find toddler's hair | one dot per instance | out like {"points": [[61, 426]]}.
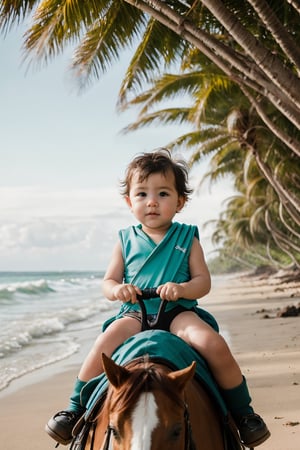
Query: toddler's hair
{"points": [[158, 161]]}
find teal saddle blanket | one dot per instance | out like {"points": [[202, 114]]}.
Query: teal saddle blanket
{"points": [[161, 347]]}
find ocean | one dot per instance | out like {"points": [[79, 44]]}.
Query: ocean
{"points": [[43, 316], [40, 315]]}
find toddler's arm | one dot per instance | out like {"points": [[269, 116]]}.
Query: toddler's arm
{"points": [[113, 286]]}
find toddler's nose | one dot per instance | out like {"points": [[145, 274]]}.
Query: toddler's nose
{"points": [[152, 201]]}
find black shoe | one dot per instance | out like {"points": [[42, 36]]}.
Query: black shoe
{"points": [[253, 430], [60, 426]]}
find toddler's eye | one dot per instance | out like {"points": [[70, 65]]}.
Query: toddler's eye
{"points": [[163, 194], [141, 194]]}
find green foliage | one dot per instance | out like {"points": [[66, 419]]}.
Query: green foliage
{"points": [[235, 64]]}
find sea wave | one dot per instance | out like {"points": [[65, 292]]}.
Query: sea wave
{"points": [[29, 362], [29, 288], [23, 332], [16, 340], [41, 315]]}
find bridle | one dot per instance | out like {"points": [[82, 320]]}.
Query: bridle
{"points": [[188, 438], [90, 429]]}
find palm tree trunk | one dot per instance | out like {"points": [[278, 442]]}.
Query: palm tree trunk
{"points": [[288, 201], [292, 143], [282, 37], [285, 197], [280, 240], [295, 4], [234, 65], [282, 218], [268, 62]]}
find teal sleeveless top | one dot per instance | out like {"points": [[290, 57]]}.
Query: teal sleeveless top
{"points": [[148, 264]]}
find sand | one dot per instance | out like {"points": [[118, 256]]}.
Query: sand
{"points": [[267, 349]]}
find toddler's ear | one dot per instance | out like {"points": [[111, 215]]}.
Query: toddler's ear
{"points": [[128, 201], [181, 203]]}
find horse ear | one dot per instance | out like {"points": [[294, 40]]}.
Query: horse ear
{"points": [[181, 377], [117, 375]]}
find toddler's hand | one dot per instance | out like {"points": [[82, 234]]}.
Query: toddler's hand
{"points": [[126, 292], [170, 291]]}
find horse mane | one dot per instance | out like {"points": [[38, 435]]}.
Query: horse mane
{"points": [[145, 376]]}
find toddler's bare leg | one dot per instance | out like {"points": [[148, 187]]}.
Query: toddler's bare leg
{"points": [[107, 342], [211, 346]]}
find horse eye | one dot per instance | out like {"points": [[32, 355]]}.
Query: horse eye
{"points": [[115, 433], [175, 433]]}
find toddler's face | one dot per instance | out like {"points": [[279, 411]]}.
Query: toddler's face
{"points": [[155, 200]]}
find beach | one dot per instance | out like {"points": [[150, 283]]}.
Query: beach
{"points": [[267, 348]]}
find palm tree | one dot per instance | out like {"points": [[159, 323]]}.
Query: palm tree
{"points": [[236, 36], [248, 44], [215, 101]]}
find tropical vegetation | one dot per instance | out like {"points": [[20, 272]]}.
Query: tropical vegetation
{"points": [[237, 63]]}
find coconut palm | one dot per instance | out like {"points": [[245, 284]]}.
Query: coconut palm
{"points": [[236, 36], [218, 108], [253, 45]]}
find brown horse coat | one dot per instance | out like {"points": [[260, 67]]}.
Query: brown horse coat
{"points": [[185, 415]]}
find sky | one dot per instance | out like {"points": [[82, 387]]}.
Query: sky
{"points": [[62, 155]]}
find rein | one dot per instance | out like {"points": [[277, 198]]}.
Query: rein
{"points": [[188, 440], [107, 440]]}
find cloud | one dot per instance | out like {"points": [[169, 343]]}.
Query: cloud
{"points": [[22, 202], [60, 243], [52, 229]]}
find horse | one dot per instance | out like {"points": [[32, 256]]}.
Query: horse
{"points": [[149, 406]]}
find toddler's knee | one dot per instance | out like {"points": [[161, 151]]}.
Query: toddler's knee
{"points": [[186, 337], [213, 343], [220, 348]]}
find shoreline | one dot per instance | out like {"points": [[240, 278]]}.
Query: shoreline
{"points": [[71, 362], [267, 350]]}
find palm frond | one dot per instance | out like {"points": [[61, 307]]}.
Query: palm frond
{"points": [[100, 46], [147, 59], [14, 12], [163, 117]]}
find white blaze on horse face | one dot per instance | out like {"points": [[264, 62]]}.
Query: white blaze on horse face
{"points": [[144, 421]]}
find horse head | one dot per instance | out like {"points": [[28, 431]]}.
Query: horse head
{"points": [[146, 406]]}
